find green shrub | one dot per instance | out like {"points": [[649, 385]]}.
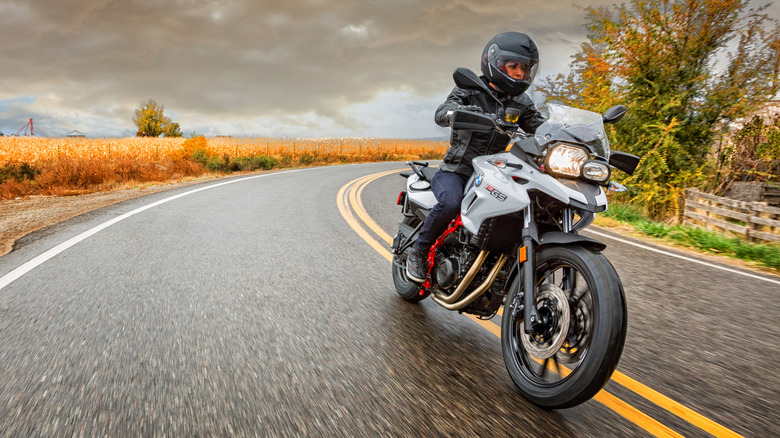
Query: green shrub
{"points": [[307, 158], [200, 156], [216, 164], [264, 162], [18, 171]]}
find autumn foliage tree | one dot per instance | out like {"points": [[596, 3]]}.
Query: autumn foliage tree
{"points": [[753, 154], [670, 63], [152, 122]]}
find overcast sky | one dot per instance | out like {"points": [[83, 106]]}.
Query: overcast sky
{"points": [[302, 68]]}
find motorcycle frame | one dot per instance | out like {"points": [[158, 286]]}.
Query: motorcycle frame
{"points": [[485, 197]]}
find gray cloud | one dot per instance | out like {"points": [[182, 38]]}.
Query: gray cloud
{"points": [[312, 67]]}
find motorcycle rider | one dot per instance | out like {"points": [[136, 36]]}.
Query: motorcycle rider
{"points": [[509, 64]]}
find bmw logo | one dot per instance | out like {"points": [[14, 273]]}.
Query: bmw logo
{"points": [[478, 181]]}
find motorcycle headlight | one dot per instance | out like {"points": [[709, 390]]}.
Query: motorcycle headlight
{"points": [[573, 161], [566, 160], [597, 171]]}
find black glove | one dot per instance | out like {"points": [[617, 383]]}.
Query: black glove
{"points": [[473, 108]]}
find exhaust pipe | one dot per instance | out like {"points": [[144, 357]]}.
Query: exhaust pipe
{"points": [[477, 292], [475, 267]]}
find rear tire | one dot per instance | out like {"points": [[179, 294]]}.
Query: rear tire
{"points": [[576, 369], [406, 288]]}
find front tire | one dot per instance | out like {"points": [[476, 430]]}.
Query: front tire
{"points": [[567, 361]]}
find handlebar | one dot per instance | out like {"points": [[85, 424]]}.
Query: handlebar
{"points": [[478, 121], [414, 164]]}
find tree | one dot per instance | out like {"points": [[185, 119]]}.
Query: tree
{"points": [[151, 122], [172, 130], [753, 154], [659, 58]]}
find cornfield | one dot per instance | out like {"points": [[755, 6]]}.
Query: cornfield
{"points": [[34, 150], [61, 166]]}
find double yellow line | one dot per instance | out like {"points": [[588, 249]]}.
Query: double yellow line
{"points": [[350, 205]]}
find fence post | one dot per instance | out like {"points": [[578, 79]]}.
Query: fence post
{"points": [[689, 193], [755, 212]]}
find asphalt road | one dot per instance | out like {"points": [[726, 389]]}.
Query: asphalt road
{"points": [[251, 307]]}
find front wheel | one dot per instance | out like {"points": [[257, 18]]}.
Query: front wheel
{"points": [[571, 355]]}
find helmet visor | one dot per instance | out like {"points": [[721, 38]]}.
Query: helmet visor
{"points": [[513, 65]]}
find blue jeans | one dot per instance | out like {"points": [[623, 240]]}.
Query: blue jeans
{"points": [[448, 189]]}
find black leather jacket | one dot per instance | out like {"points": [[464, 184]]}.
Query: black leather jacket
{"points": [[466, 145]]}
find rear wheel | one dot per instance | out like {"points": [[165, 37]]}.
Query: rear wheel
{"points": [[573, 353], [406, 288]]}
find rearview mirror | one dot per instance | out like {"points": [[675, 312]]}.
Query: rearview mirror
{"points": [[623, 161], [614, 114], [467, 79]]}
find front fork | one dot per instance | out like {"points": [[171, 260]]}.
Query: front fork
{"points": [[530, 237], [530, 234]]}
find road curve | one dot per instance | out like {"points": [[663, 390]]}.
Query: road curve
{"points": [[250, 307]]}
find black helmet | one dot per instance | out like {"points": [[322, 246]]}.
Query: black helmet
{"points": [[510, 61]]}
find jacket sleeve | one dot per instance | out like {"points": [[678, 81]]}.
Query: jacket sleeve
{"points": [[456, 98], [531, 118]]}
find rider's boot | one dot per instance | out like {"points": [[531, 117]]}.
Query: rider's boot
{"points": [[417, 266]]}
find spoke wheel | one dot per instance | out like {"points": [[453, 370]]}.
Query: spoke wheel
{"points": [[571, 355]]}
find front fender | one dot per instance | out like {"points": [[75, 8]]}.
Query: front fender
{"points": [[561, 238]]}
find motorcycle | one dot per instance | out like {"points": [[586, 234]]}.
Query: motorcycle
{"points": [[515, 249]]}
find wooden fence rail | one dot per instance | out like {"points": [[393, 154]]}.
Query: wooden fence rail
{"points": [[755, 221]]}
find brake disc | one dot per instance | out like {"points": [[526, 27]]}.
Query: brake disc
{"points": [[577, 342], [553, 305]]}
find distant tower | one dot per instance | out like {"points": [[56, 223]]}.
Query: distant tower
{"points": [[24, 128]]}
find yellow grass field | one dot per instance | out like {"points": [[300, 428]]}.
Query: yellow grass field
{"points": [[41, 150], [66, 166]]}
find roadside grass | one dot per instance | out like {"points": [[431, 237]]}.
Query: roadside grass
{"points": [[766, 255]]}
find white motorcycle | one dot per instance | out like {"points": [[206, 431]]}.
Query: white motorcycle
{"points": [[515, 246]]}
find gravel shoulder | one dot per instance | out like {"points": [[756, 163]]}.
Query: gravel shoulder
{"points": [[22, 216]]}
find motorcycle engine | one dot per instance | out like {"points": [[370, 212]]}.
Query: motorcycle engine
{"points": [[447, 272]]}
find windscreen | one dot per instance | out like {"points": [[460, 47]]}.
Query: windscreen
{"points": [[567, 123]]}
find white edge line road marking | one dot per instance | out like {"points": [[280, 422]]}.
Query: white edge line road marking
{"points": [[39, 260], [670, 254]]}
